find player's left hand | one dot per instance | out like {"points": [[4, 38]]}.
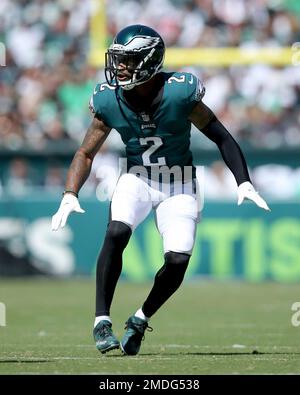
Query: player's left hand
{"points": [[246, 191]]}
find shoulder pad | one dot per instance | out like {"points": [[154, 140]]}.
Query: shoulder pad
{"points": [[99, 97], [186, 89], [195, 88]]}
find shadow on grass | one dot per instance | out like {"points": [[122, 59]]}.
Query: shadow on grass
{"points": [[225, 354], [25, 361], [255, 352]]}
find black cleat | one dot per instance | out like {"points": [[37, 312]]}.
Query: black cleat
{"points": [[135, 329], [104, 337]]}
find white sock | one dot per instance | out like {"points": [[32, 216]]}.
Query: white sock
{"points": [[101, 318], [141, 315]]}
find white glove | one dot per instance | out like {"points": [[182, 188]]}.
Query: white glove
{"points": [[68, 204], [247, 191]]}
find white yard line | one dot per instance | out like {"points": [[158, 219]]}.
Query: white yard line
{"points": [[172, 345]]}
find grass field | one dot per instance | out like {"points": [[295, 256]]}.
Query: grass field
{"points": [[206, 328]]}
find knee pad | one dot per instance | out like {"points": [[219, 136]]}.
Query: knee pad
{"points": [[177, 258], [174, 268], [118, 232]]}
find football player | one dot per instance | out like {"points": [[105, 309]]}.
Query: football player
{"points": [[153, 111]]}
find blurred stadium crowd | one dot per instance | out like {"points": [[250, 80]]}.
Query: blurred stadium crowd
{"points": [[46, 84]]}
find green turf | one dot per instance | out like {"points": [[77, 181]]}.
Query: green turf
{"points": [[206, 328]]}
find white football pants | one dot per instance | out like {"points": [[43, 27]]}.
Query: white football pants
{"points": [[176, 209]]}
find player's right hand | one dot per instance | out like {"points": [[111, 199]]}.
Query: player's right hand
{"points": [[68, 204]]}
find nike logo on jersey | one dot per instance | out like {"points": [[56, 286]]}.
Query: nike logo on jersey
{"points": [[96, 90], [191, 80]]}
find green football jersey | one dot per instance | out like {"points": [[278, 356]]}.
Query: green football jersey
{"points": [[159, 138]]}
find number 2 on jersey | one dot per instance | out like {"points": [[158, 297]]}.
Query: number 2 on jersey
{"points": [[157, 142]]}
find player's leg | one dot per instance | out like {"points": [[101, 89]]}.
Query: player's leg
{"points": [[167, 281], [129, 207], [109, 265], [176, 221], [108, 271]]}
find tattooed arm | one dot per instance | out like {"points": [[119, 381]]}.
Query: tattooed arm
{"points": [[79, 171], [82, 162]]}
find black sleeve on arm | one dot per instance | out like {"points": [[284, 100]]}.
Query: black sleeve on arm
{"points": [[229, 148]]}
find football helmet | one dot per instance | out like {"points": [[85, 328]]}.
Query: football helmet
{"points": [[135, 56]]}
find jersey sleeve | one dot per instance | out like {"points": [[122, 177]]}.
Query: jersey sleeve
{"points": [[195, 91], [102, 102]]}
